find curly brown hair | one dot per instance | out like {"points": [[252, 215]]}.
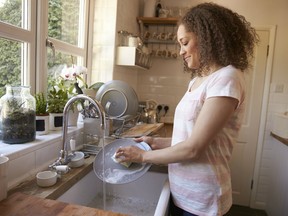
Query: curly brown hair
{"points": [[223, 36]]}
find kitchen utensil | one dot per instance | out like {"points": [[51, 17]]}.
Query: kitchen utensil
{"points": [[118, 98], [115, 173], [151, 109]]}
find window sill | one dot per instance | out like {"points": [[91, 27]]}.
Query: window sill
{"points": [[14, 151], [26, 159]]}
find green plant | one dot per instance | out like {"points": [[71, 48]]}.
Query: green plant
{"points": [[41, 104], [94, 86], [58, 95], [18, 116], [14, 105], [57, 100]]}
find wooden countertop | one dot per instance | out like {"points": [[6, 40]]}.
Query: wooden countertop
{"points": [[20, 204], [66, 181], [281, 139]]}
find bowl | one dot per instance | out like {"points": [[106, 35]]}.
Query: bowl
{"points": [[77, 160], [46, 178]]}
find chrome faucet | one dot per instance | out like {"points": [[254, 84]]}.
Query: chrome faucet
{"points": [[64, 157]]}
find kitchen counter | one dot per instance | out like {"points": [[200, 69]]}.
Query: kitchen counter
{"points": [[30, 199], [66, 181], [20, 204], [281, 139]]}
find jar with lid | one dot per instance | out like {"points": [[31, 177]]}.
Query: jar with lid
{"points": [[123, 38], [18, 115]]}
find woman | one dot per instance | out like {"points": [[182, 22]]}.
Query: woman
{"points": [[216, 45]]}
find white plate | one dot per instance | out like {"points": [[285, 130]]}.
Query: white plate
{"points": [[114, 173], [118, 98]]}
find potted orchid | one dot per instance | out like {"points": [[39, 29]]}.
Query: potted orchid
{"points": [[78, 75], [72, 81]]}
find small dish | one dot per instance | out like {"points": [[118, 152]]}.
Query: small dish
{"points": [[46, 178], [77, 160]]}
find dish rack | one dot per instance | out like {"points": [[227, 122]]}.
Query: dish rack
{"points": [[115, 126], [121, 124]]}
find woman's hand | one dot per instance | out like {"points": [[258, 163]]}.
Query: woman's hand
{"points": [[137, 155], [130, 154]]}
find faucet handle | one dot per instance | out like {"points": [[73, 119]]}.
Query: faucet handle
{"points": [[62, 168], [72, 144]]}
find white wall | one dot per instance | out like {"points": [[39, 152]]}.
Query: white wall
{"points": [[127, 11], [103, 40]]}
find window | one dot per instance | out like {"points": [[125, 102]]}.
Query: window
{"points": [[25, 25], [67, 32], [17, 43]]}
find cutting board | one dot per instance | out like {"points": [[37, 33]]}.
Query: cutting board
{"points": [[142, 130], [19, 204]]}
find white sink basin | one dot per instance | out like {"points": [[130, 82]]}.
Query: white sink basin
{"points": [[148, 195]]}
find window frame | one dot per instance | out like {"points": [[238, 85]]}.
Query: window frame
{"points": [[28, 38], [34, 66], [42, 35]]}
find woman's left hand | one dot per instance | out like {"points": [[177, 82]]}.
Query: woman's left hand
{"points": [[130, 154]]}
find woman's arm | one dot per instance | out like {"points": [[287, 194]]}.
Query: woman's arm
{"points": [[215, 113]]}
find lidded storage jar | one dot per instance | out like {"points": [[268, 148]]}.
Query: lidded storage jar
{"points": [[18, 115]]}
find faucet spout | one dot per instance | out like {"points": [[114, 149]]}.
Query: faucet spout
{"points": [[64, 152]]}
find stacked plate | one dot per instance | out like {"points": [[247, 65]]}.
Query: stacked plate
{"points": [[118, 99]]}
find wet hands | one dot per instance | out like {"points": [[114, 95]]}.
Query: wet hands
{"points": [[130, 154]]}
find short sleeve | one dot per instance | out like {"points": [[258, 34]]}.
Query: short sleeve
{"points": [[228, 83]]}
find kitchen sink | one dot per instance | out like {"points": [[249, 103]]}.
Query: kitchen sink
{"points": [[148, 195]]}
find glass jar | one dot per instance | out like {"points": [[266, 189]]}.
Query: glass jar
{"points": [[18, 115], [123, 38]]}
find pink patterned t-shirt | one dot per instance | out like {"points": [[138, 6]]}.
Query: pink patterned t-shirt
{"points": [[203, 187]]}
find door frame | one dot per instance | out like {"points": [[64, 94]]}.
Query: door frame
{"points": [[263, 120]]}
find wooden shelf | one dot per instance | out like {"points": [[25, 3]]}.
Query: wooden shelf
{"points": [[281, 139], [157, 20]]}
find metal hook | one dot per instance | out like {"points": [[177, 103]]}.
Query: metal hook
{"points": [[50, 44]]}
